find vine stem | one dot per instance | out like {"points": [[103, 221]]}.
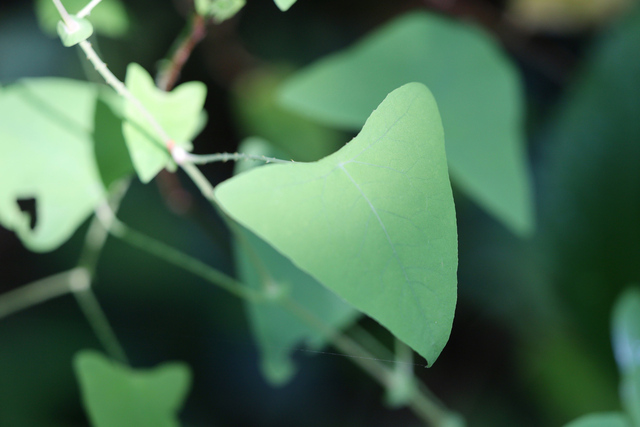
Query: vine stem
{"points": [[201, 159], [71, 25], [169, 74], [86, 11], [428, 409], [167, 253], [122, 90], [36, 293]]}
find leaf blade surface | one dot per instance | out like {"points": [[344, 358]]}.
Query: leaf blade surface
{"points": [[374, 222]]}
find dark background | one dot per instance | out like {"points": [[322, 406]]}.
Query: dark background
{"points": [[530, 344]]}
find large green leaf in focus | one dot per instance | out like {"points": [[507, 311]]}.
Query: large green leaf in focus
{"points": [[278, 331], [178, 112], [478, 93], [118, 396], [47, 154], [609, 419], [374, 222], [109, 18]]}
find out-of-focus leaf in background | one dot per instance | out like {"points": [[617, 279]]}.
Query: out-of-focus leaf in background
{"points": [[476, 87]]}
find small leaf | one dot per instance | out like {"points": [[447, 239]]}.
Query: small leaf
{"points": [[77, 31], [610, 419], [109, 18], [219, 10], [178, 112], [373, 222], [278, 332], [118, 396], [284, 5], [478, 93], [47, 154]]}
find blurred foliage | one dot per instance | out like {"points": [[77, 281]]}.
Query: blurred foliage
{"points": [[531, 341]]}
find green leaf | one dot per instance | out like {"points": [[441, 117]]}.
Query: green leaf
{"points": [[219, 10], [77, 31], [109, 18], [110, 148], [118, 396], [373, 222], [278, 332], [610, 419], [178, 112], [626, 330], [259, 115], [478, 93], [626, 347], [47, 154], [284, 5]]}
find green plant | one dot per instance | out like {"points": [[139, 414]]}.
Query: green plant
{"points": [[320, 242]]}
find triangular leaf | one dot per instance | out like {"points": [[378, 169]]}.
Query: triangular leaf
{"points": [[478, 93], [374, 222], [118, 396], [178, 112], [278, 332], [284, 5], [47, 154]]}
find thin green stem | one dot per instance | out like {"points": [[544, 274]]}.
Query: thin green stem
{"points": [[98, 320], [86, 11], [71, 25], [200, 181], [122, 90], [346, 345], [429, 410], [95, 240], [176, 257], [169, 74], [201, 159], [35, 293]]}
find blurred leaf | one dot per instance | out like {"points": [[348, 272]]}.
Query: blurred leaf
{"points": [[478, 93], [567, 377], [284, 5], [111, 152], [47, 154], [277, 331], [259, 115], [626, 330], [178, 112], [118, 396], [109, 18], [626, 347], [591, 184], [374, 222], [612, 419], [82, 30]]}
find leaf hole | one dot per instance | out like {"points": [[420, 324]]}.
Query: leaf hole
{"points": [[28, 206]]}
